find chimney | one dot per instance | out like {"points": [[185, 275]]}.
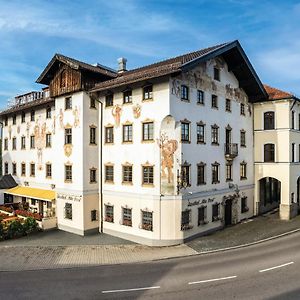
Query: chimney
{"points": [[122, 64]]}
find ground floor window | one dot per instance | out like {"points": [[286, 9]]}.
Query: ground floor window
{"points": [[202, 211], [147, 220], [127, 216], [216, 212], [244, 207], [185, 220], [94, 215], [68, 211], [109, 213]]}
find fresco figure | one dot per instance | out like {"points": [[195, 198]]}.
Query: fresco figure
{"points": [[76, 117], [61, 119], [116, 112], [137, 111]]}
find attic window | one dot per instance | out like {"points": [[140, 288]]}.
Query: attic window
{"points": [[216, 74]]}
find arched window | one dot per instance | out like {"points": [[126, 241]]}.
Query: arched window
{"points": [[269, 120], [269, 153]]}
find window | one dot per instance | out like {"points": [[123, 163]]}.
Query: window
{"points": [[147, 175], [202, 215], [14, 168], [23, 169], [32, 169], [6, 168], [147, 220], [200, 97], [244, 207], [127, 174], [32, 142], [215, 172], [228, 172], [33, 201], [201, 173], [269, 153], [93, 135], [93, 215], [293, 152], [215, 212], [185, 219], [269, 120], [109, 135], [148, 129], [14, 119], [185, 173], [109, 173], [48, 113], [68, 173], [215, 135], [32, 115], [242, 109], [109, 100], [201, 133], [184, 92], [14, 143], [5, 121], [23, 117], [68, 211], [23, 142], [214, 101], [127, 133], [68, 136], [48, 140], [185, 132], [48, 170], [147, 92], [109, 213], [216, 74], [243, 170], [228, 105], [6, 144], [93, 175], [243, 138], [127, 216], [293, 120], [68, 103], [92, 103], [127, 97]]}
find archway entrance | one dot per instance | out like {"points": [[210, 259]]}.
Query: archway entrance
{"points": [[269, 192], [228, 212]]}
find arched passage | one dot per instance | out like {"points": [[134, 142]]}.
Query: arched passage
{"points": [[269, 193]]}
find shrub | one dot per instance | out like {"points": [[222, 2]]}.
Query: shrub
{"points": [[1, 231], [30, 225], [15, 229]]}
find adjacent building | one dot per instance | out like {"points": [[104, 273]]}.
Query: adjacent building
{"points": [[157, 155]]}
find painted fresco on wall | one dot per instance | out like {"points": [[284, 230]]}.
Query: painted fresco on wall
{"points": [[9, 132], [168, 146], [53, 124], [137, 109], [61, 119], [68, 149], [18, 129], [28, 129], [40, 140], [116, 112], [76, 117]]}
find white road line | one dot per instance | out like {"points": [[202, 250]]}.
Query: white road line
{"points": [[131, 290], [211, 280], [276, 267]]}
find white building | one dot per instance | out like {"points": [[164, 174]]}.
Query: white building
{"points": [[157, 155]]}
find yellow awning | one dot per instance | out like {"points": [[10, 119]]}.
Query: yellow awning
{"points": [[39, 194]]}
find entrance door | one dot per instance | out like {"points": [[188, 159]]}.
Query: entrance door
{"points": [[41, 208], [228, 212]]}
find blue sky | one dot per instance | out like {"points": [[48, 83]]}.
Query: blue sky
{"points": [[144, 31]]}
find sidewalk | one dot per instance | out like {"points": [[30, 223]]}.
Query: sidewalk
{"points": [[28, 254]]}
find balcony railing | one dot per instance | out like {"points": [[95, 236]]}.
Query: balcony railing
{"points": [[231, 150]]}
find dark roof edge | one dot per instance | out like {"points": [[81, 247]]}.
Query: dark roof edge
{"points": [[220, 51]]}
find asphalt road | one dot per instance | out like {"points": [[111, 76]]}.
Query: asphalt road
{"points": [[269, 270]]}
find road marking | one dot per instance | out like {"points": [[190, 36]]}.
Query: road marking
{"points": [[131, 290], [276, 267], [211, 280]]}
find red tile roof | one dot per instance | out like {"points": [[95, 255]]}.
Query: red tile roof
{"points": [[276, 94]]}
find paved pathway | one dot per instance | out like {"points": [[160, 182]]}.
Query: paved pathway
{"points": [[59, 249]]}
